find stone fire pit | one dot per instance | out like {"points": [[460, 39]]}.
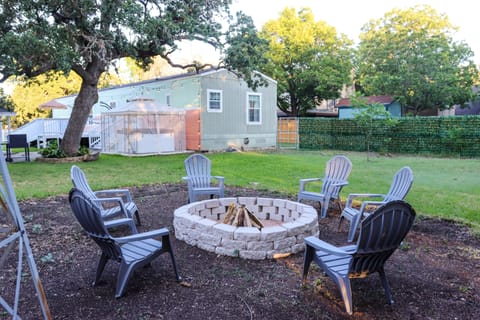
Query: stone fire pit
{"points": [[286, 224]]}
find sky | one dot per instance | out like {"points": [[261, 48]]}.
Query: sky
{"points": [[348, 17]]}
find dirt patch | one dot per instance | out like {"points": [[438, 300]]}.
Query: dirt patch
{"points": [[435, 276]]}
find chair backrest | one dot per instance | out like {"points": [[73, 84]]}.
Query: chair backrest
{"points": [[401, 184], [381, 234], [17, 140], [80, 182], [337, 169], [90, 218], [198, 169]]}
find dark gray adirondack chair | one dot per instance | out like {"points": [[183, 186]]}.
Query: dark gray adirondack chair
{"points": [[337, 171], [381, 234], [112, 203], [401, 184], [132, 252], [199, 178]]}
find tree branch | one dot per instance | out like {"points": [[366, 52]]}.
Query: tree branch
{"points": [[78, 69], [195, 65]]}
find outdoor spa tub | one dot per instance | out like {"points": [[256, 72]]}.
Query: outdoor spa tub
{"points": [[286, 224]]}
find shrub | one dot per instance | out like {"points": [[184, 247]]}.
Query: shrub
{"points": [[53, 151]]}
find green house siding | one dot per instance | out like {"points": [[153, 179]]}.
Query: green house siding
{"points": [[348, 112], [183, 92], [229, 127], [395, 109], [218, 130]]}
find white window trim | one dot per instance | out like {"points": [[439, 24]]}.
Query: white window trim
{"points": [[259, 122], [208, 100]]}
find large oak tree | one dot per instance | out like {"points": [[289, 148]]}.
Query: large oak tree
{"points": [[309, 60], [411, 54], [87, 36]]}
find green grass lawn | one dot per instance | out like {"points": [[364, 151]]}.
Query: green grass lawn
{"points": [[442, 187]]}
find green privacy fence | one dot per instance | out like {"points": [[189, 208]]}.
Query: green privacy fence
{"points": [[459, 135]]}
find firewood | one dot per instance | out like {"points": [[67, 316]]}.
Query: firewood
{"points": [[235, 220], [247, 221], [255, 220], [241, 216], [230, 212]]}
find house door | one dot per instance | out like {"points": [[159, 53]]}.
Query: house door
{"points": [[192, 127]]}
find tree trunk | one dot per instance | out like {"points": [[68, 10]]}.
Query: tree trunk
{"points": [[293, 105], [82, 106]]}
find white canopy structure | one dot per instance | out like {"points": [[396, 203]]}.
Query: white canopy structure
{"points": [[143, 126]]}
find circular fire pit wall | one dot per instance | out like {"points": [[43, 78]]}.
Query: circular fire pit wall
{"points": [[286, 224]]}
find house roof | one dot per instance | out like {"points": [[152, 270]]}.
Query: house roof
{"points": [[200, 73], [345, 102]]}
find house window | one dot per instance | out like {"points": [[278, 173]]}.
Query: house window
{"points": [[214, 103], [168, 100], [254, 108]]}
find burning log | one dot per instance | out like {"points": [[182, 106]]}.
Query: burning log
{"points": [[241, 217]]}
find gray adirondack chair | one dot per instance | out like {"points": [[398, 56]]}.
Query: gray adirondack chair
{"points": [[380, 235], [401, 184], [112, 203], [199, 178], [337, 171], [132, 252]]}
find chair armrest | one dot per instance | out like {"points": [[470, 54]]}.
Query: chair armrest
{"points": [[118, 200], [189, 181], [335, 184], [351, 196], [339, 183], [220, 180], [303, 182], [370, 203], [143, 235], [123, 192], [321, 245], [119, 222], [351, 249]]}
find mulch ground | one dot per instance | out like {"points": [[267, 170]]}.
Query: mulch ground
{"points": [[436, 275]]}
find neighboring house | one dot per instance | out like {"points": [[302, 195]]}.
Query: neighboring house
{"points": [[222, 111], [473, 108], [347, 111]]}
